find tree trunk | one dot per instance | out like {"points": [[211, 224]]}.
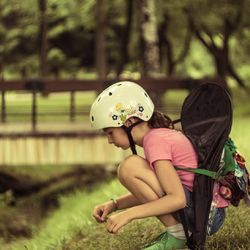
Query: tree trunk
{"points": [[149, 38], [100, 49], [44, 39], [224, 66], [125, 38], [221, 61]]}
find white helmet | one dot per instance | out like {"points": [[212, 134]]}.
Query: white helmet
{"points": [[119, 102]]}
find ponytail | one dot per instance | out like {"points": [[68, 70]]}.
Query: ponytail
{"points": [[160, 120]]}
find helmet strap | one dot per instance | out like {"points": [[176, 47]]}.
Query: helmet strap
{"points": [[130, 137]]}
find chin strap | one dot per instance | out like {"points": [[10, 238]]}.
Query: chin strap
{"points": [[130, 137]]}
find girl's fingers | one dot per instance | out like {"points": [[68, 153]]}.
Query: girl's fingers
{"points": [[110, 228], [110, 225], [104, 215], [116, 228], [113, 227], [98, 215]]}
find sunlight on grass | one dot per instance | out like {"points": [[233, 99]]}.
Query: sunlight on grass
{"points": [[54, 107], [74, 214], [241, 135]]}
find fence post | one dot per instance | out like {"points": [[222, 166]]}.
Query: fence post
{"points": [[3, 108], [72, 106], [34, 109]]}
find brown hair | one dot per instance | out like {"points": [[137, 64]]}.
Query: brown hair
{"points": [[160, 120]]}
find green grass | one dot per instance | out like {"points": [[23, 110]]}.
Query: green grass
{"points": [[72, 228], [54, 107]]}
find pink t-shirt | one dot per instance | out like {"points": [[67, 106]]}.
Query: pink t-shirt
{"points": [[169, 144], [173, 145]]}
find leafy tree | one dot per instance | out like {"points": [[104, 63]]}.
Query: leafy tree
{"points": [[214, 24], [222, 28], [175, 36], [18, 32]]}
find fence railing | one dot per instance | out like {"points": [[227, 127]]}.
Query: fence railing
{"points": [[46, 86]]}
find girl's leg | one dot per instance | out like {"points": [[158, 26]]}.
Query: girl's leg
{"points": [[136, 175]]}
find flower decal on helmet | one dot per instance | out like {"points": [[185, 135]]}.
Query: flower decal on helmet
{"points": [[141, 109], [114, 117], [118, 106], [122, 113]]}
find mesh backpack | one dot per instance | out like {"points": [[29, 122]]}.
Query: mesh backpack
{"points": [[206, 119]]}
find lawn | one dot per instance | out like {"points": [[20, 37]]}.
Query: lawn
{"points": [[54, 107]]}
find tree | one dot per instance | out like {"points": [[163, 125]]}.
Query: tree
{"points": [[42, 4], [100, 39], [149, 38], [161, 45], [125, 38], [18, 27], [216, 30], [175, 36]]}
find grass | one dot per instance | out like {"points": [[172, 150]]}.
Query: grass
{"points": [[54, 107], [72, 227]]}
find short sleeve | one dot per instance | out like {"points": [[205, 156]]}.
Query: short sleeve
{"points": [[156, 148]]}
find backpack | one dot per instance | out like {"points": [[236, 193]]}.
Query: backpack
{"points": [[206, 120], [232, 175]]}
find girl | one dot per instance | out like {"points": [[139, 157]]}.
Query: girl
{"points": [[126, 114]]}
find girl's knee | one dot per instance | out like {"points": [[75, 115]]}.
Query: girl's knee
{"points": [[129, 167]]}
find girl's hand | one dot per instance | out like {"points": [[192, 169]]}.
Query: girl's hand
{"points": [[101, 211], [117, 221]]}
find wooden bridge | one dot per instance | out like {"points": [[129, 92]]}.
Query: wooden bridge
{"points": [[74, 145]]}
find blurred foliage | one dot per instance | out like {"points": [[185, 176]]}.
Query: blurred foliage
{"points": [[71, 36]]}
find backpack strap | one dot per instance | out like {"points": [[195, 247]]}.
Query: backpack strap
{"points": [[209, 173]]}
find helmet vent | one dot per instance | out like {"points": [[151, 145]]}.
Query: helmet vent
{"points": [[119, 84], [92, 118], [145, 94], [110, 93], [99, 99]]}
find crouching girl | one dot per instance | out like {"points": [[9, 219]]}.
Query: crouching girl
{"points": [[126, 114]]}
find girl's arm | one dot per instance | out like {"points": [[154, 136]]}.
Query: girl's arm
{"points": [[126, 201]]}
